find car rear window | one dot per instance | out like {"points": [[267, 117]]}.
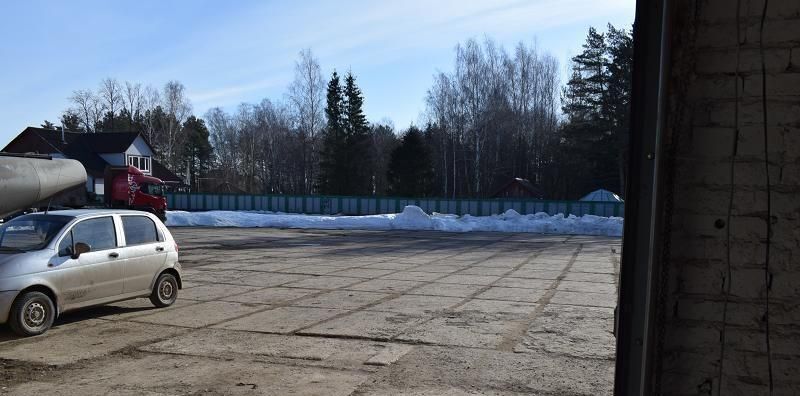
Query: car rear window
{"points": [[139, 230]]}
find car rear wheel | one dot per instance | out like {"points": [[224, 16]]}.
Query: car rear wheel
{"points": [[32, 314], [165, 291]]}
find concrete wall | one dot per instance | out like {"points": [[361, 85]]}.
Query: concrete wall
{"points": [[717, 321]]}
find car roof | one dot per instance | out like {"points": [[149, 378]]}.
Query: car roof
{"points": [[80, 213]]}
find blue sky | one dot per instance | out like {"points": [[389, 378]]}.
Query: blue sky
{"points": [[229, 52]]}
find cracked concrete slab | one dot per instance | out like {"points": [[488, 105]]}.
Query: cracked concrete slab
{"points": [[591, 287], [583, 332], [366, 324], [469, 279], [82, 340], [525, 283], [585, 299], [165, 374], [590, 277], [429, 370], [329, 352], [209, 292], [268, 311], [325, 282], [385, 285], [414, 276], [281, 320], [512, 294], [264, 279], [341, 299], [535, 274], [473, 329], [272, 295], [416, 305], [199, 315], [447, 289]]}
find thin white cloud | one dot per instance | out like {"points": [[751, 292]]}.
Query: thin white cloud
{"points": [[224, 95]]}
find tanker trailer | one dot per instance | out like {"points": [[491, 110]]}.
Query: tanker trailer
{"points": [[27, 180]]}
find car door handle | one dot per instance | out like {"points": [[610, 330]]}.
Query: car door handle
{"points": [[159, 248], [113, 255]]}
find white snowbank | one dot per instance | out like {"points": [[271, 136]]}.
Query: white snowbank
{"points": [[412, 218]]}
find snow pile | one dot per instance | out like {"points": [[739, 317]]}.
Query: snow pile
{"points": [[412, 218]]}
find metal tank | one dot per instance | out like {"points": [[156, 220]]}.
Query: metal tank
{"points": [[28, 179]]}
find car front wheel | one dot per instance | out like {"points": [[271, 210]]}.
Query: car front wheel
{"points": [[32, 314], [165, 291]]}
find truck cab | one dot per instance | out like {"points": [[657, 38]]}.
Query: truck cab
{"points": [[132, 189]]}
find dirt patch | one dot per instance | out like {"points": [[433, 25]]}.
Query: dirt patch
{"points": [[14, 372]]}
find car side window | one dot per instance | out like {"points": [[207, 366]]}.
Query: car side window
{"points": [[98, 233], [65, 247], [139, 230]]}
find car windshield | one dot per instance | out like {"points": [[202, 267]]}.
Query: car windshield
{"points": [[30, 232], [153, 189]]}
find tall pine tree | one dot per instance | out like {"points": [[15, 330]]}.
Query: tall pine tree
{"points": [[197, 151], [596, 103], [332, 170], [620, 68], [357, 131]]}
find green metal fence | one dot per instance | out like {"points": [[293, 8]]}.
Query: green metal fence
{"points": [[364, 205]]}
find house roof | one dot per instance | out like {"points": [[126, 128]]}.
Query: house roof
{"points": [[227, 188], [524, 183], [160, 171], [84, 147]]}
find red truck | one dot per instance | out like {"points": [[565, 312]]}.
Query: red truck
{"points": [[127, 187], [30, 182]]}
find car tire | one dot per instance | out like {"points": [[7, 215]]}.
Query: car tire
{"points": [[32, 314], [165, 291]]}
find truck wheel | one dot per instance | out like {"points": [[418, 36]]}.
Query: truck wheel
{"points": [[165, 291], [32, 314]]}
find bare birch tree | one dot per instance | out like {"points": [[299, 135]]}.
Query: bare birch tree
{"points": [[176, 108], [132, 100], [493, 117], [85, 104], [151, 99], [110, 93], [306, 95]]}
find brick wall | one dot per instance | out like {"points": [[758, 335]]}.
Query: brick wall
{"points": [[715, 323]]}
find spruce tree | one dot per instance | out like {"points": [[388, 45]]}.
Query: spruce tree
{"points": [[332, 172], [357, 163], [411, 167], [197, 150]]}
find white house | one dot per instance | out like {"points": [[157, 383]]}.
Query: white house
{"points": [[94, 150]]}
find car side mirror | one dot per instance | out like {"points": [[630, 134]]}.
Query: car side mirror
{"points": [[80, 248]]}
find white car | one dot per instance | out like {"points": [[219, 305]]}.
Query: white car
{"points": [[70, 259]]}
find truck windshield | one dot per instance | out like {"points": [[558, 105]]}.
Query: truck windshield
{"points": [[30, 232], [152, 189]]}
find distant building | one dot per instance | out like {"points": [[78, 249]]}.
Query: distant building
{"points": [[95, 151], [226, 188], [518, 188], [601, 196]]}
